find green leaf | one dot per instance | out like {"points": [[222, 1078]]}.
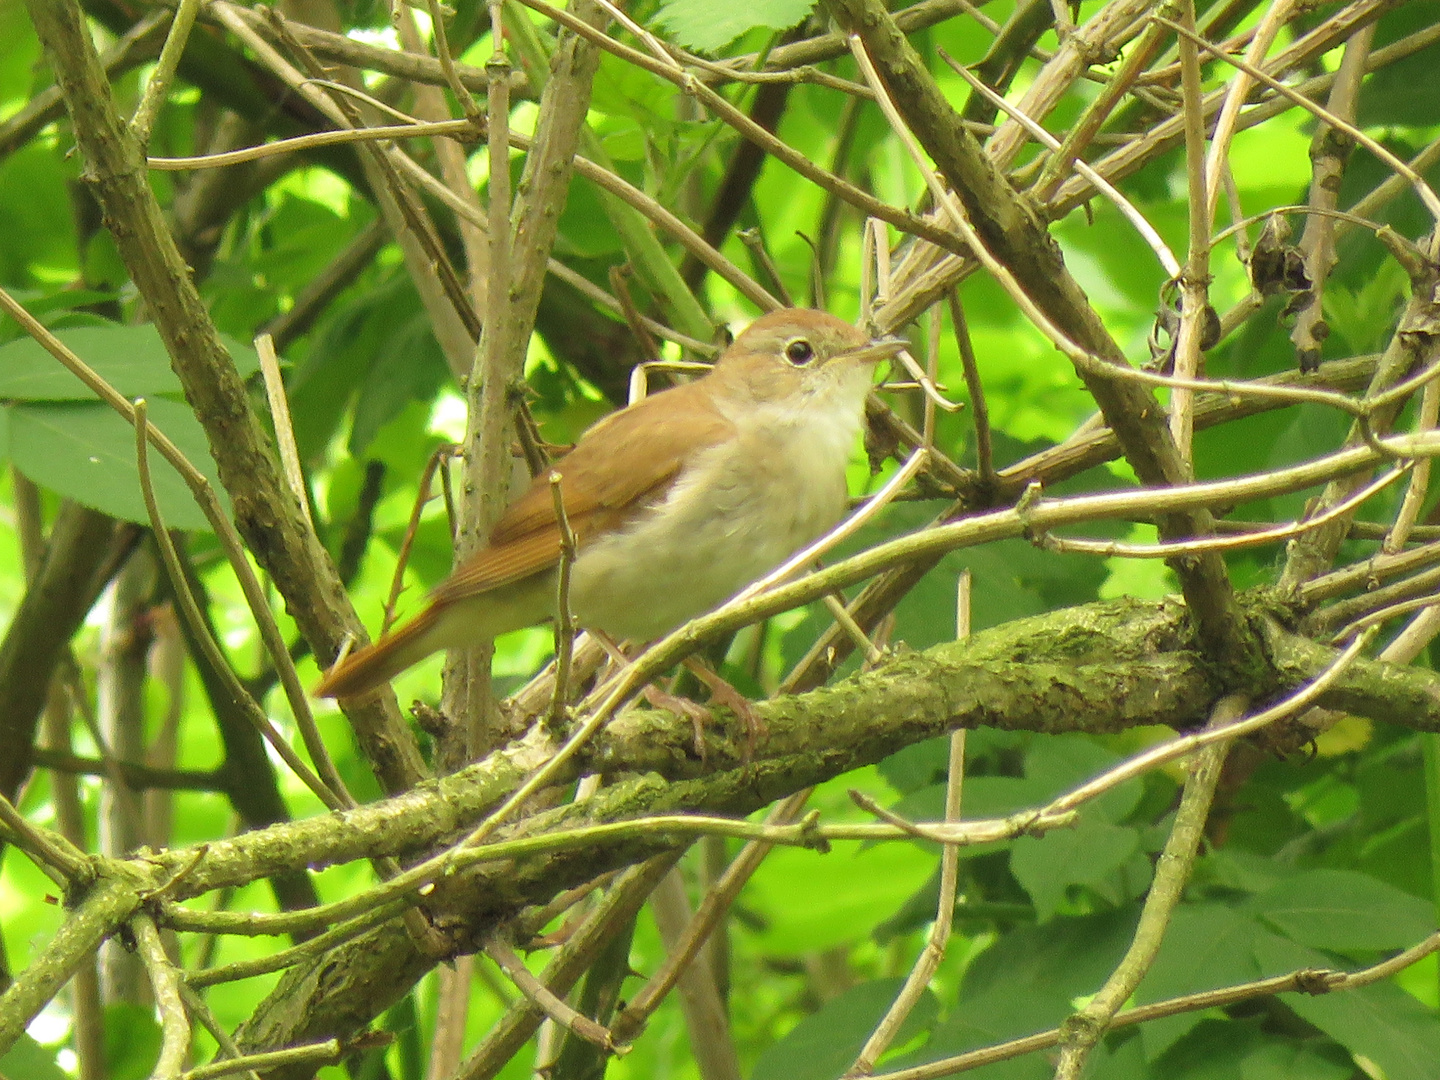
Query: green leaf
{"points": [[1380, 1023], [706, 27], [132, 1042], [1047, 866], [28, 1060], [36, 218], [1207, 946], [1214, 1050], [1060, 762], [1341, 909], [818, 901], [132, 359], [822, 1046], [1293, 1061], [409, 368], [18, 59], [917, 766], [85, 451], [1404, 92]]}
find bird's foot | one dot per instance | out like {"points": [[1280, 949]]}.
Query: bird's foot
{"points": [[696, 713], [722, 693]]}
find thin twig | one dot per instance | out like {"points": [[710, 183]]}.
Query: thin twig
{"points": [[619, 905], [158, 86], [1422, 188], [1276, 15], [1109, 548], [447, 67], [984, 451], [712, 909], [539, 995], [564, 619], [412, 526], [860, 199], [918, 980], [1127, 209], [1195, 280], [202, 1012], [60, 860], [415, 129], [328, 1052], [1329, 153], [1172, 870], [280, 419], [200, 629], [1410, 507]]}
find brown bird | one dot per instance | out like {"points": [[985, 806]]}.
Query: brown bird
{"points": [[676, 502]]}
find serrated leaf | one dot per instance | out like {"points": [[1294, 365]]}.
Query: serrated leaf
{"points": [[132, 359], [706, 27], [85, 451], [823, 1045], [409, 368]]}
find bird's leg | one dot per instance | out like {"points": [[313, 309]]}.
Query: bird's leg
{"points": [[725, 694], [721, 692], [681, 706]]}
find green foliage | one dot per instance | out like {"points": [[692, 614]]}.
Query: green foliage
{"points": [[132, 1039], [696, 24], [28, 1060], [86, 452], [62, 438], [1317, 859], [824, 1044]]}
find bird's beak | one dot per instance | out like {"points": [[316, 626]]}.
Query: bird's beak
{"points": [[879, 349]]}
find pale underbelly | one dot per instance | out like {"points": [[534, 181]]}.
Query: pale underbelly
{"points": [[668, 568]]}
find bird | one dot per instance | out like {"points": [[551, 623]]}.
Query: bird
{"points": [[675, 503]]}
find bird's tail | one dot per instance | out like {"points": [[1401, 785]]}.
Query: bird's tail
{"points": [[368, 667]]}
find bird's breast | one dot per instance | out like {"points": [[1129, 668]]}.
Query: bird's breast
{"points": [[734, 512]]}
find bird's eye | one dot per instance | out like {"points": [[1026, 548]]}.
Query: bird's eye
{"points": [[799, 352]]}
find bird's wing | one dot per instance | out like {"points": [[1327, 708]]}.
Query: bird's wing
{"points": [[619, 466]]}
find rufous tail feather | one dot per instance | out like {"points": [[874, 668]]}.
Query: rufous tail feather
{"points": [[368, 667]]}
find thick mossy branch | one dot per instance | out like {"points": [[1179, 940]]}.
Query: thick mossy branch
{"points": [[1102, 667], [1098, 668]]}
